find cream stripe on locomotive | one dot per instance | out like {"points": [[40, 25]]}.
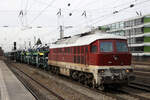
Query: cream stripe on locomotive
{"points": [[81, 67]]}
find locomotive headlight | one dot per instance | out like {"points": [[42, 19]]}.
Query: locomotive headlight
{"points": [[127, 70], [101, 71]]}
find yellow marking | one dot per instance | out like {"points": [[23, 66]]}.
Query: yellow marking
{"points": [[41, 54]]}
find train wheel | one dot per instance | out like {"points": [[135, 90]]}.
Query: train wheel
{"points": [[82, 78], [86, 80], [47, 68], [57, 70], [101, 87], [75, 75]]}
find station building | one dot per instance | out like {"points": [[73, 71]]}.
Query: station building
{"points": [[137, 31]]}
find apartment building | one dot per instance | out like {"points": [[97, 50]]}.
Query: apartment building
{"points": [[137, 31]]}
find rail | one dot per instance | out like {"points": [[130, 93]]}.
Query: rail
{"points": [[27, 85]]}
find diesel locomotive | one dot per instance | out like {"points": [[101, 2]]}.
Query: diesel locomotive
{"points": [[96, 60]]}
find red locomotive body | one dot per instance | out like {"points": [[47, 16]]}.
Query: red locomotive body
{"points": [[94, 59]]}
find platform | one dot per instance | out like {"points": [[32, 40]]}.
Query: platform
{"points": [[10, 87]]}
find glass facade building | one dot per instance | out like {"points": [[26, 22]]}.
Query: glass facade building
{"points": [[137, 31]]}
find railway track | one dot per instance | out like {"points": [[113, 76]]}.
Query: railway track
{"points": [[70, 97], [141, 63], [142, 86], [113, 94], [23, 77], [141, 94], [138, 89]]}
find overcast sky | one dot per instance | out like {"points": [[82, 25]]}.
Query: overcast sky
{"points": [[44, 13]]}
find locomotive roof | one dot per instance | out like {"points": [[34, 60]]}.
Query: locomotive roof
{"points": [[80, 39]]}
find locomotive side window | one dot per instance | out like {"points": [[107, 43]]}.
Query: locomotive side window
{"points": [[121, 46], [68, 50], [74, 50], [82, 50], [106, 47], [78, 59], [74, 59], [93, 48], [78, 50], [65, 50], [82, 59], [86, 49]]}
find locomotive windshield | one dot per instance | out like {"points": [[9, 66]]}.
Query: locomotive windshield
{"points": [[106, 47], [121, 46]]}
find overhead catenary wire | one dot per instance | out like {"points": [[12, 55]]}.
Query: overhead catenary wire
{"points": [[103, 10], [26, 7], [95, 20], [101, 18], [42, 11]]}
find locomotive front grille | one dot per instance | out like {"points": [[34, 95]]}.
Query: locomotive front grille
{"points": [[113, 75], [116, 70]]}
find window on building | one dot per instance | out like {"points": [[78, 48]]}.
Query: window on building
{"points": [[122, 25], [127, 24], [122, 33], [126, 32], [113, 26], [138, 21], [131, 40], [132, 23], [117, 25], [137, 49], [139, 39], [138, 30], [132, 32]]}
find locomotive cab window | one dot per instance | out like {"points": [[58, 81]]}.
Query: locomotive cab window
{"points": [[93, 48], [106, 47], [121, 46]]}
